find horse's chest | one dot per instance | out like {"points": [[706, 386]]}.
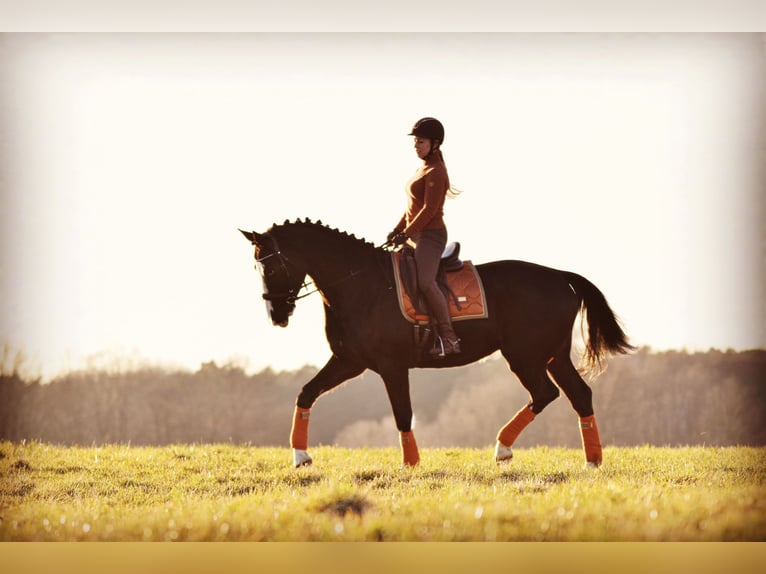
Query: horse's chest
{"points": [[339, 335], [348, 337]]}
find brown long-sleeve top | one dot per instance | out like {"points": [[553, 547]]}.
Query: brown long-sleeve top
{"points": [[425, 197]]}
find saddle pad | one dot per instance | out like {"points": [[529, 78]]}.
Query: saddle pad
{"points": [[465, 284]]}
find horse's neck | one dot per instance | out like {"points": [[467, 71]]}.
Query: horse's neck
{"points": [[339, 265], [338, 275]]}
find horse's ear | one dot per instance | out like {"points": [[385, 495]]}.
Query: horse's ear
{"points": [[251, 236]]}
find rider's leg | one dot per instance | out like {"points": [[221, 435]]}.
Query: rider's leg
{"points": [[429, 247]]}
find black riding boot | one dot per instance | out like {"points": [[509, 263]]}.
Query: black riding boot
{"points": [[447, 342]]}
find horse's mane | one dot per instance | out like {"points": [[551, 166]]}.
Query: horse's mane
{"points": [[331, 232]]}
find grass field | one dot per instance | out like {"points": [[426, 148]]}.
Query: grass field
{"points": [[239, 493]]}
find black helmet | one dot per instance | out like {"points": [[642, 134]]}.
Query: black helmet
{"points": [[429, 128]]}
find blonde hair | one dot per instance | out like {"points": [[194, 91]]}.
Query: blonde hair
{"points": [[452, 191]]}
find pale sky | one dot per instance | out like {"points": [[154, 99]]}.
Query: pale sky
{"points": [[129, 161]]}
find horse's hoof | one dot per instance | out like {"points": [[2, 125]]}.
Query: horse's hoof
{"points": [[301, 458], [503, 454], [591, 465]]}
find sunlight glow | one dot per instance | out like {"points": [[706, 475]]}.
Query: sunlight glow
{"points": [[131, 160]]}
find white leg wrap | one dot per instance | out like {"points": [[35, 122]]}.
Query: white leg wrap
{"points": [[301, 458], [503, 454], [591, 466]]}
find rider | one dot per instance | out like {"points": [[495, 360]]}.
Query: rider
{"points": [[423, 224]]}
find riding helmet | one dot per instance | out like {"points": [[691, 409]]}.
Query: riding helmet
{"points": [[429, 128]]}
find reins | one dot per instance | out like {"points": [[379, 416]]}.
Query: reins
{"points": [[306, 284]]}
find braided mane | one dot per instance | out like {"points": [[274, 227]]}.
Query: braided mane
{"points": [[332, 232]]}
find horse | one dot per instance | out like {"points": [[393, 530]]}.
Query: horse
{"points": [[531, 310]]}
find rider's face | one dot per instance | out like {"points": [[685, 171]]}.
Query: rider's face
{"points": [[422, 147]]}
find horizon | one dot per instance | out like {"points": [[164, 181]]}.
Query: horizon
{"points": [[14, 362]]}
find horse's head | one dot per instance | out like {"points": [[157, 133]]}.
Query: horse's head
{"points": [[282, 277]]}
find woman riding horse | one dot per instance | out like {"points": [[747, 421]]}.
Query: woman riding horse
{"points": [[423, 224]]}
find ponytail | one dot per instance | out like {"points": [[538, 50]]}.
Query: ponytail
{"points": [[452, 191]]}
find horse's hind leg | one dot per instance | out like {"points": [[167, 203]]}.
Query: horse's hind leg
{"points": [[335, 372], [542, 392], [581, 396]]}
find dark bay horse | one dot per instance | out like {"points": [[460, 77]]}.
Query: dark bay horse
{"points": [[531, 311]]}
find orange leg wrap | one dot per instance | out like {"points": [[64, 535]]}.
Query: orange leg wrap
{"points": [[410, 454], [510, 432], [590, 439], [299, 437]]}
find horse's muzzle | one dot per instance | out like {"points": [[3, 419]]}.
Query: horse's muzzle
{"points": [[283, 320]]}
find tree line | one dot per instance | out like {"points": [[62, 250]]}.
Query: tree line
{"points": [[660, 398]]}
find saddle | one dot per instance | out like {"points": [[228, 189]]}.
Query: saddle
{"points": [[458, 280]]}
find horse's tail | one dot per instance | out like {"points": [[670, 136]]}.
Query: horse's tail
{"points": [[605, 335]]}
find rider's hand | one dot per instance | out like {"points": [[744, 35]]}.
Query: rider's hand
{"points": [[399, 238]]}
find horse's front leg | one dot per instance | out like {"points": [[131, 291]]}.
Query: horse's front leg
{"points": [[335, 372], [397, 384]]}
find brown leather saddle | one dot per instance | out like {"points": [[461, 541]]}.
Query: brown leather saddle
{"points": [[459, 281]]}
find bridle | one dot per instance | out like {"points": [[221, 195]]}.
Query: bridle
{"points": [[292, 295]]}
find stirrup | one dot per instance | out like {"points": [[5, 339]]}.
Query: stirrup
{"points": [[443, 347]]}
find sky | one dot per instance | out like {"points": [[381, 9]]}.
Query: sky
{"points": [[130, 160]]}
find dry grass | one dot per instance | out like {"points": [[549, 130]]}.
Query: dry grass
{"points": [[225, 492]]}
